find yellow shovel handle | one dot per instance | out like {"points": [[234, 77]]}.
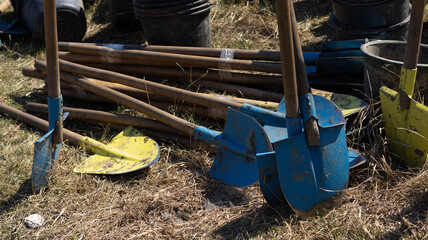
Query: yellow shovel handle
{"points": [[408, 79], [102, 149]]}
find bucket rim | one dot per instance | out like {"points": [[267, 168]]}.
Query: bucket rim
{"points": [[170, 9], [366, 53], [333, 22], [160, 5], [373, 4], [187, 12]]}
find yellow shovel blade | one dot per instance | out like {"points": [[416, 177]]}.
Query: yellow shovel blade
{"points": [[128, 151], [348, 104], [406, 129]]}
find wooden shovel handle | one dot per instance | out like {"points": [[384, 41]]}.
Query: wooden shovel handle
{"points": [[199, 51], [287, 58], [414, 35], [38, 123], [180, 59], [302, 78], [51, 41], [155, 69], [100, 116], [153, 87], [311, 125], [126, 100]]}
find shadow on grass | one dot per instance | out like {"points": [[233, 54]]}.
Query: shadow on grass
{"points": [[109, 34], [128, 178], [254, 223], [409, 217], [23, 192]]}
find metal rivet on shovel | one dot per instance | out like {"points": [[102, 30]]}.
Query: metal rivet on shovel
{"points": [[405, 118], [46, 149]]}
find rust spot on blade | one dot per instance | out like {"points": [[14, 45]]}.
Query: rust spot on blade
{"points": [[297, 177], [419, 152]]}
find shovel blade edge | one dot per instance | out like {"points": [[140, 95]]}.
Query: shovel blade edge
{"points": [[242, 138], [311, 176], [405, 129], [45, 156]]}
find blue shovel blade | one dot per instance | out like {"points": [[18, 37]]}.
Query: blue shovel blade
{"points": [[311, 175], [44, 158], [269, 179], [243, 137]]}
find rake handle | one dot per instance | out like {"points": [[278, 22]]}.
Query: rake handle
{"points": [[414, 35]]}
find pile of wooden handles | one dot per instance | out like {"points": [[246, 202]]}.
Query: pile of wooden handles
{"points": [[209, 69]]}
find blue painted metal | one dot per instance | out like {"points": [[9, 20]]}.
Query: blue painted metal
{"points": [[310, 69], [268, 173], [16, 27], [307, 107], [342, 45], [338, 65], [242, 138], [46, 153], [310, 58], [341, 54], [355, 158], [310, 175]]}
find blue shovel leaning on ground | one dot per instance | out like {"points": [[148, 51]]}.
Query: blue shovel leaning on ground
{"points": [[47, 148], [310, 168]]}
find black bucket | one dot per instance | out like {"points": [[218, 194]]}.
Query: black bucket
{"points": [[375, 19], [175, 23], [394, 32], [71, 18], [122, 15]]}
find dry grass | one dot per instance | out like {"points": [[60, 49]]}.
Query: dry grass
{"points": [[176, 198]]}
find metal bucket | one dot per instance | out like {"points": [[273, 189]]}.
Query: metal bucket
{"points": [[382, 67]]}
